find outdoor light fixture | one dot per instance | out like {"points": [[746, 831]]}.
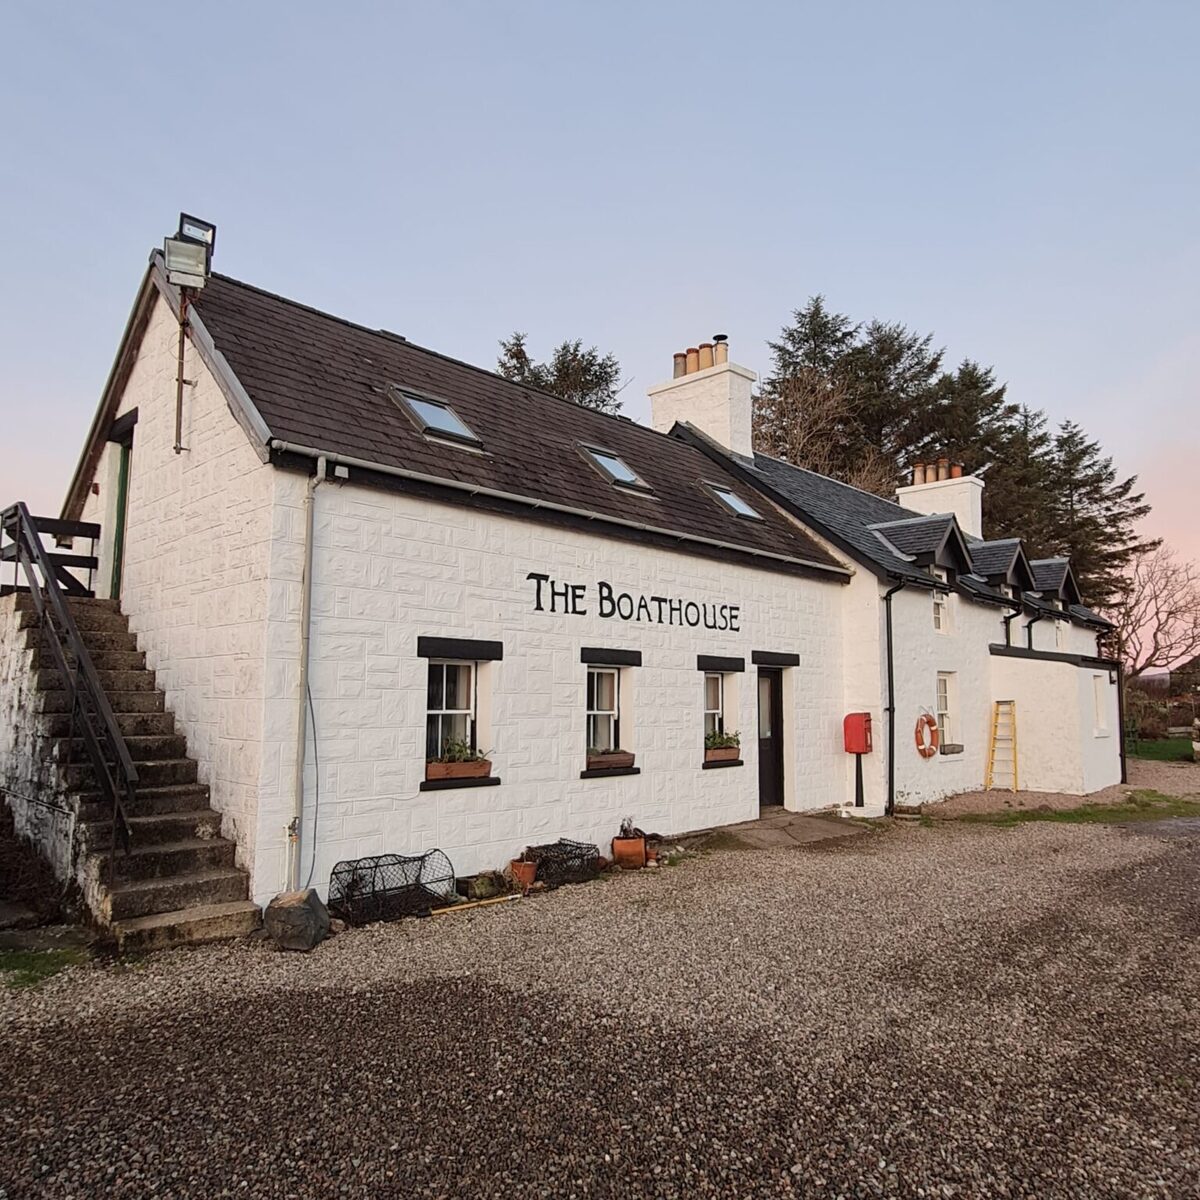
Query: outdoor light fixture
{"points": [[188, 254]]}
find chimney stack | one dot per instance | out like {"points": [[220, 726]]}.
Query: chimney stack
{"points": [[709, 392], [941, 486]]}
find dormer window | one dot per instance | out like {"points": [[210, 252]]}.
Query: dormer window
{"points": [[732, 501], [434, 418], [614, 468]]}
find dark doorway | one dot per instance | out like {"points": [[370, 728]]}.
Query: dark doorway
{"points": [[770, 736], [121, 433]]}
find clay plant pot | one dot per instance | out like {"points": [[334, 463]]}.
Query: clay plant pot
{"points": [[629, 853], [613, 758], [479, 768], [523, 873], [651, 854], [724, 754]]}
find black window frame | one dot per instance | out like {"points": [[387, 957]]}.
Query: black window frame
{"points": [[638, 485], [403, 398]]}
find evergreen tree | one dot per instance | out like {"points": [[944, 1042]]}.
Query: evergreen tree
{"points": [[1093, 515], [1019, 479], [583, 376], [816, 339]]}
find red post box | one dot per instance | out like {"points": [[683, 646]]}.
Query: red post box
{"points": [[856, 731]]}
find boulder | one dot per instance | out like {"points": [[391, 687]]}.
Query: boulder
{"points": [[296, 920]]}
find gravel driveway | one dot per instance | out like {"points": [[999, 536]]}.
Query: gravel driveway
{"points": [[942, 1012]]}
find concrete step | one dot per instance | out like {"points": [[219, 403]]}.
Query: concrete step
{"points": [[102, 660], [154, 829], [120, 702], [168, 859], [153, 773], [142, 897], [135, 724], [142, 748], [203, 923], [149, 801], [87, 613], [46, 680]]}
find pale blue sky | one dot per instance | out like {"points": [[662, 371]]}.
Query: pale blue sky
{"points": [[1021, 179]]}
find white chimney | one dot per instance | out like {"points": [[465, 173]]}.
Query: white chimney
{"points": [[946, 490], [715, 398]]}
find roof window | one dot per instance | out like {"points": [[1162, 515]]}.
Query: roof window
{"points": [[615, 468], [733, 502], [435, 418]]}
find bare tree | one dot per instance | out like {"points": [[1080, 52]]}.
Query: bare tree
{"points": [[1157, 612], [806, 419]]}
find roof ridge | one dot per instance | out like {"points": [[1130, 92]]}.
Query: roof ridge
{"points": [[459, 362]]}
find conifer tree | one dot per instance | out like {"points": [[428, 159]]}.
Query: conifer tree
{"points": [[1093, 515], [584, 376]]}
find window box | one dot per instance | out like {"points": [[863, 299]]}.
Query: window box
{"points": [[608, 760], [723, 754], [477, 768]]}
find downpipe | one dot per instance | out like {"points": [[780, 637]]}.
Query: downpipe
{"points": [[296, 829], [891, 698], [1029, 629]]}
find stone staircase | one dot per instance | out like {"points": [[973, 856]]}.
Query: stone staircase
{"points": [[179, 883]]}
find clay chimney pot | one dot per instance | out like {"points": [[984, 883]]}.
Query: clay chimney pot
{"points": [[943, 468], [693, 359], [956, 470], [720, 349], [918, 473], [680, 364], [706, 355]]}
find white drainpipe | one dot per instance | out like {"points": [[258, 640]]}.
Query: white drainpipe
{"points": [[297, 830]]}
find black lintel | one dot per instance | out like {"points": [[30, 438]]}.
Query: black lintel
{"points": [[716, 662], [770, 658], [606, 657], [462, 648]]}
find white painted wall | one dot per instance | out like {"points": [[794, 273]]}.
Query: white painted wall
{"points": [[389, 569], [717, 401], [197, 541]]}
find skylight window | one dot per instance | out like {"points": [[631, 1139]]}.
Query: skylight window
{"points": [[615, 468], [435, 418], [732, 501]]}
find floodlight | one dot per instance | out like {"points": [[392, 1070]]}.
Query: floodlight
{"points": [[192, 229], [186, 262]]}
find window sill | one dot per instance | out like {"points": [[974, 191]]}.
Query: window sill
{"points": [[605, 772], [728, 762], [1101, 733], [951, 748], [441, 785]]}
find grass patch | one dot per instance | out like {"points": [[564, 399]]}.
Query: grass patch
{"points": [[1164, 750], [1143, 805], [28, 968]]}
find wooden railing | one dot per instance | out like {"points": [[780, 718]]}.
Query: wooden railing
{"points": [[50, 583]]}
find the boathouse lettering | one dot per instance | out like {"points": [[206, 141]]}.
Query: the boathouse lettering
{"points": [[571, 598]]}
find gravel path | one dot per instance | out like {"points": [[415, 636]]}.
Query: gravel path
{"points": [[1171, 779], [938, 1012]]}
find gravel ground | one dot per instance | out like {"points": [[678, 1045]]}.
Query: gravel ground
{"points": [[921, 1012], [1171, 779]]}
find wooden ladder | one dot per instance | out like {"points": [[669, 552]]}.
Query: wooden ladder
{"points": [[1002, 749]]}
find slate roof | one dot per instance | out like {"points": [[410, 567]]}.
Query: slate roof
{"points": [[995, 557], [320, 381], [917, 535], [1082, 613], [841, 512], [1049, 573]]}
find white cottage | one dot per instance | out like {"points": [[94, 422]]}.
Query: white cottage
{"points": [[328, 560]]}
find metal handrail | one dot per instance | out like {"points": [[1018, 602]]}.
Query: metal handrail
{"points": [[89, 705]]}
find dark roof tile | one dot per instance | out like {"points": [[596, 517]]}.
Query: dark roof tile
{"points": [[321, 381]]}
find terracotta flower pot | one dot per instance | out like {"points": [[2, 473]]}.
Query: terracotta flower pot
{"points": [[523, 873], [478, 768], [723, 754], [629, 853], [610, 759]]}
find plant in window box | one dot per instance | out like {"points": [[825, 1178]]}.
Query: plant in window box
{"points": [[629, 846], [722, 747], [598, 759], [458, 760]]}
